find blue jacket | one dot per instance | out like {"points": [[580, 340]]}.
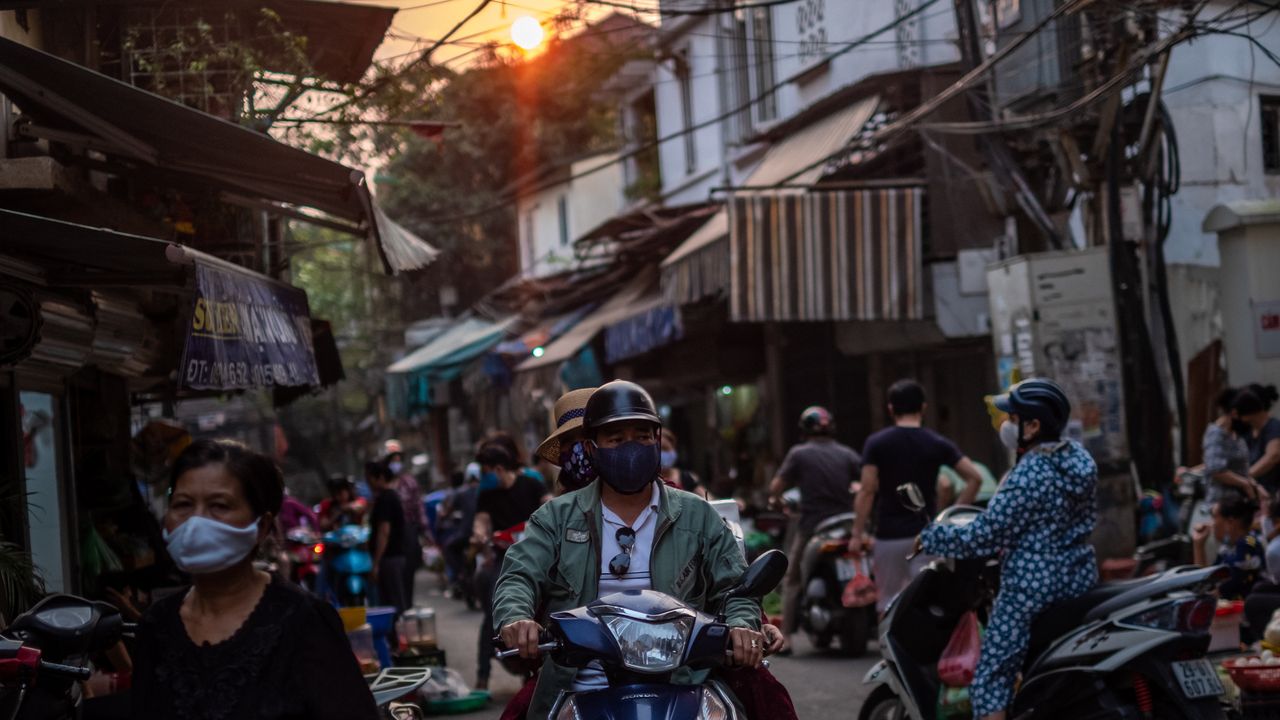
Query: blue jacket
{"points": [[1040, 519]]}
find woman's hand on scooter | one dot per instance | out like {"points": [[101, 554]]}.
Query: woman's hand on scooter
{"points": [[522, 635], [1200, 533], [773, 639]]}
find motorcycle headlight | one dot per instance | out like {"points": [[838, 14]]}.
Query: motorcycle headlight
{"points": [[713, 708], [569, 711], [650, 647]]}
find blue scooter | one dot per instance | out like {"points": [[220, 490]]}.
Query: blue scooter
{"points": [[348, 564], [641, 637]]}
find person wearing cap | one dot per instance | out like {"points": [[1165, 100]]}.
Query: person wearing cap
{"points": [[1039, 524], [824, 470], [564, 447], [625, 531]]}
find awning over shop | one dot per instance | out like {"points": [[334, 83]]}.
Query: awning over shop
{"points": [[654, 323], [245, 330], [848, 255], [617, 308], [444, 358], [699, 268], [67, 103]]}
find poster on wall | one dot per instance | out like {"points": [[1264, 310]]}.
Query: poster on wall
{"points": [[1266, 328], [246, 332]]}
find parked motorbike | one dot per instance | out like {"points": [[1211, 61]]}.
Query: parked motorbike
{"points": [[348, 564], [826, 566], [1160, 555], [640, 637], [44, 656], [1128, 649], [305, 553]]}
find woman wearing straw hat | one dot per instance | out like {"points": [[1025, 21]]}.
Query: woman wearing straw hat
{"points": [[563, 447]]}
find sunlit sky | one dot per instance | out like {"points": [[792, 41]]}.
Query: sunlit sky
{"points": [[430, 20]]}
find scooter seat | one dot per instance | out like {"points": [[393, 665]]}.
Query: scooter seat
{"points": [[1060, 618]]}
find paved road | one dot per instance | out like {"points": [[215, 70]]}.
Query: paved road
{"points": [[822, 685]]}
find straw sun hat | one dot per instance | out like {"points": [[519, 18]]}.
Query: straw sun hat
{"points": [[569, 410]]}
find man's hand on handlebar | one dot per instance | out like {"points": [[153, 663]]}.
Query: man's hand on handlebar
{"points": [[522, 635], [746, 646], [860, 543]]}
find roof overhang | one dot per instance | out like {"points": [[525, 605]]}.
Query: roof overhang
{"points": [[65, 102], [341, 37]]}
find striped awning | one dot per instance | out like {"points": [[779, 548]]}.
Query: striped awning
{"points": [[847, 255], [700, 267]]}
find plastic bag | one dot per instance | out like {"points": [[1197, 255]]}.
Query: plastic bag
{"points": [[960, 658], [445, 684], [861, 590]]}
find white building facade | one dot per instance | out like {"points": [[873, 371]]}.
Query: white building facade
{"points": [[558, 206]]}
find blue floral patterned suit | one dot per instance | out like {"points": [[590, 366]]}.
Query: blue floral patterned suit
{"points": [[1040, 521]]}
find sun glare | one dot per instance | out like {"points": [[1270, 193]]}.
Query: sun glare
{"points": [[526, 32]]}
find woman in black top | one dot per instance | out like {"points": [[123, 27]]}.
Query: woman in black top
{"points": [[238, 643]]}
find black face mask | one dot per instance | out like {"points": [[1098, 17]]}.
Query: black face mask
{"points": [[1241, 428], [630, 467]]}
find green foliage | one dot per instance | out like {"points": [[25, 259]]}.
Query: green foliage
{"points": [[516, 117], [21, 584]]}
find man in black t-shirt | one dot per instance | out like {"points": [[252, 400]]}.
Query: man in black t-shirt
{"points": [[507, 498], [824, 470], [387, 525], [905, 453]]}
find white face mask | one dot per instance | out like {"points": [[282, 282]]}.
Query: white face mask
{"points": [[396, 467], [1009, 435], [200, 545]]}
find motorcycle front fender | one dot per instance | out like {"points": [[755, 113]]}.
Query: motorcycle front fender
{"points": [[884, 679]]}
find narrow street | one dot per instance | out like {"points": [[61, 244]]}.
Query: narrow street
{"points": [[817, 682]]}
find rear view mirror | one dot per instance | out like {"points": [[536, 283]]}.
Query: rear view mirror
{"points": [[762, 576], [912, 497]]}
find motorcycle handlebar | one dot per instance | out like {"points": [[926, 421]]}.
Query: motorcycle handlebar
{"points": [[543, 647], [73, 672]]}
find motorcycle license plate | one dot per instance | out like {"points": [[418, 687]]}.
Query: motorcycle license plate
{"points": [[845, 569], [1197, 678]]}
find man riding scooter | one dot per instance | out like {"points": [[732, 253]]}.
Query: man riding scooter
{"points": [[627, 531]]}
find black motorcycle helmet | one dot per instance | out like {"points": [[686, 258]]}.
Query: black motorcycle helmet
{"points": [[817, 420], [618, 401], [1038, 399]]}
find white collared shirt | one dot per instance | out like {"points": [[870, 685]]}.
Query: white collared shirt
{"points": [[637, 577]]}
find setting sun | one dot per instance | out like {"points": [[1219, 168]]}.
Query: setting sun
{"points": [[526, 32]]}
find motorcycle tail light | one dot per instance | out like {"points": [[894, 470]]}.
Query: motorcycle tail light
{"points": [[318, 549], [835, 546], [1190, 615]]}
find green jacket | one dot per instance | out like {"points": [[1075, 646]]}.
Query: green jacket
{"points": [[557, 567]]}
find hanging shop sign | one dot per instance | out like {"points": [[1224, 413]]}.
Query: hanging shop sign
{"points": [[247, 332]]}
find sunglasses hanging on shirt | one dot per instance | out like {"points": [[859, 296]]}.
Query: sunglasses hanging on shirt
{"points": [[621, 563]]}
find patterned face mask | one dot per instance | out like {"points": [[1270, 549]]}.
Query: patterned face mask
{"points": [[576, 471]]}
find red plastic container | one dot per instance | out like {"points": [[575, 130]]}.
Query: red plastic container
{"points": [[1260, 678]]}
